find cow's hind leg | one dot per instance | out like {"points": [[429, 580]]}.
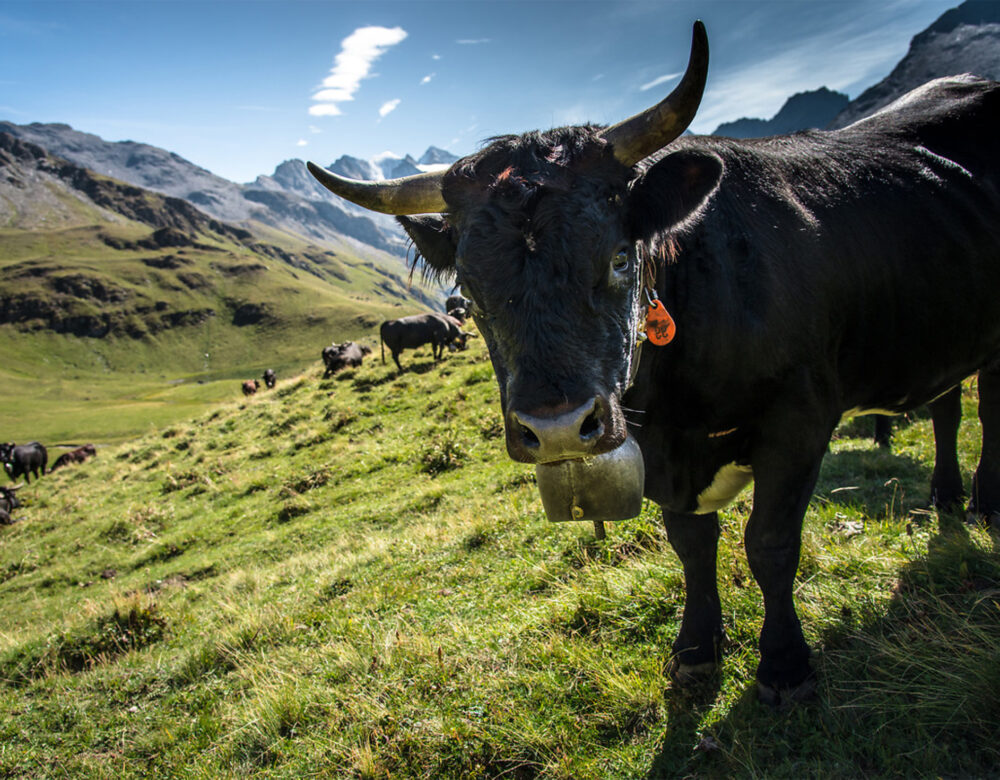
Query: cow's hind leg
{"points": [[986, 482], [696, 651], [946, 482]]}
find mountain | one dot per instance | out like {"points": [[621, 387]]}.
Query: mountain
{"points": [[965, 39], [804, 110], [435, 156], [92, 258], [290, 200], [353, 168]]}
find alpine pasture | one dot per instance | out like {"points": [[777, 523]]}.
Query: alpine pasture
{"points": [[348, 578]]}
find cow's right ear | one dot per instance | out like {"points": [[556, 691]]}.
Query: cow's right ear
{"points": [[672, 191], [433, 240]]}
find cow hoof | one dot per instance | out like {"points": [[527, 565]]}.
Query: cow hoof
{"points": [[691, 675], [785, 697]]}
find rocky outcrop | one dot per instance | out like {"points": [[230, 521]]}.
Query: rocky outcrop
{"points": [[965, 39]]}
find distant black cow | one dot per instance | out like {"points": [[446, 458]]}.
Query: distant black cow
{"points": [[456, 302], [250, 386], [338, 356], [79, 455], [438, 330], [269, 378], [8, 503], [22, 459]]}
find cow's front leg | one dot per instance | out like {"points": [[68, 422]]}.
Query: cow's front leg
{"points": [[784, 481], [697, 648]]}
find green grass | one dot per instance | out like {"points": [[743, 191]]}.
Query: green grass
{"points": [[166, 360], [348, 578]]}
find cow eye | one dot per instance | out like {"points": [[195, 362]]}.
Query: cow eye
{"points": [[620, 260]]}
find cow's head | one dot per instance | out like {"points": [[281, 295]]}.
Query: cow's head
{"points": [[550, 234]]}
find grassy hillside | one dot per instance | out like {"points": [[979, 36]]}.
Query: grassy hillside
{"points": [[122, 309], [347, 578]]}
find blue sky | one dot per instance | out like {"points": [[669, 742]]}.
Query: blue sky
{"points": [[238, 86]]}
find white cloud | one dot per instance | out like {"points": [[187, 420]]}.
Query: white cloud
{"points": [[302, 142], [472, 41], [358, 52], [427, 79], [388, 107], [325, 109], [314, 130], [435, 56], [660, 80]]}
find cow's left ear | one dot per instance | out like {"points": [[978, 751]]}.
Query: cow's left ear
{"points": [[672, 190], [432, 237]]}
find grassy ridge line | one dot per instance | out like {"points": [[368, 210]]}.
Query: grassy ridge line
{"points": [[348, 578]]}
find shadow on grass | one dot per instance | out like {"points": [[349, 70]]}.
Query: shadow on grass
{"points": [[908, 690], [874, 481]]}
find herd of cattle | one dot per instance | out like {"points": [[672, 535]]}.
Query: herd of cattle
{"points": [[30, 460], [441, 331]]}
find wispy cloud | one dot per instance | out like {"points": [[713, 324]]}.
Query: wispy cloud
{"points": [[659, 80], [427, 79], [302, 142], [314, 130], [388, 107], [435, 56], [472, 41], [358, 52]]}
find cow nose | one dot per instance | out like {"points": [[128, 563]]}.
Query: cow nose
{"points": [[544, 438]]}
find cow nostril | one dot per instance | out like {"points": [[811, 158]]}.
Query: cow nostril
{"points": [[529, 438], [591, 426]]}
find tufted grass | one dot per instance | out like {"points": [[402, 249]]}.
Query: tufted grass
{"points": [[348, 578]]}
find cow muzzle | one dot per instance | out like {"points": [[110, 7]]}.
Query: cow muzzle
{"points": [[548, 436]]}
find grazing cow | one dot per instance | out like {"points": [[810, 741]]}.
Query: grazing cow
{"points": [[8, 503], [459, 314], [338, 356], [23, 459], [79, 455], [776, 280], [269, 378], [456, 302], [250, 386], [438, 330]]}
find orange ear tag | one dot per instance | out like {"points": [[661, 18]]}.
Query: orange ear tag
{"points": [[660, 326]]}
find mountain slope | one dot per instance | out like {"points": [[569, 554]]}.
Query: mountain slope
{"points": [[965, 39], [115, 273], [801, 111], [310, 211]]}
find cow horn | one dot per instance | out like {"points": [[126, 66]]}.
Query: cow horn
{"points": [[417, 194], [646, 132]]}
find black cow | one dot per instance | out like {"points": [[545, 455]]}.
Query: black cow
{"points": [[8, 503], [250, 386], [456, 302], [791, 267], [269, 378], [79, 455], [438, 330], [338, 356], [23, 459]]}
